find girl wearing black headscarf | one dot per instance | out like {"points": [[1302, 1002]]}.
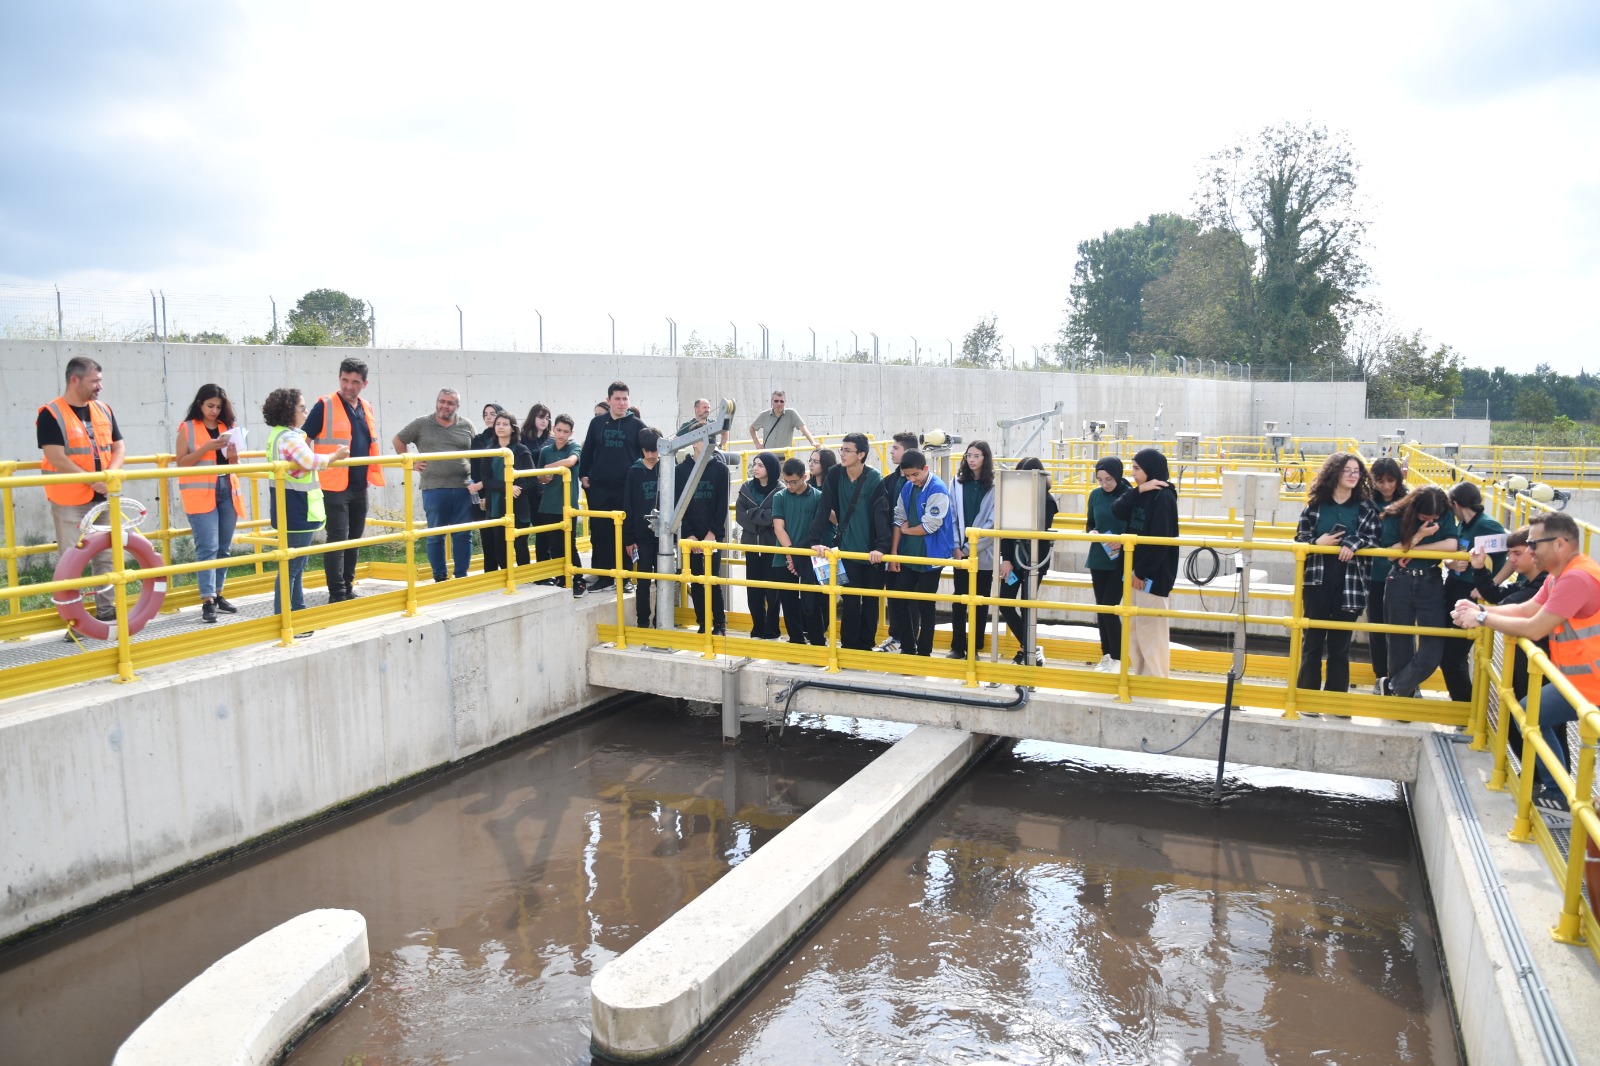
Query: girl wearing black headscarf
{"points": [[1150, 511], [1104, 561], [755, 527]]}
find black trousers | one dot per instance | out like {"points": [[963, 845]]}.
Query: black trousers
{"points": [[1414, 596], [1379, 644], [643, 590], [549, 543], [697, 592], [765, 604], [1016, 621], [493, 539], [347, 519], [805, 613], [1324, 602], [919, 620], [1456, 658], [858, 615], [603, 531], [958, 610], [1108, 593]]}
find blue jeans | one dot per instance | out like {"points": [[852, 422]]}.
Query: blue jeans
{"points": [[1554, 714], [297, 569], [213, 536], [448, 507]]}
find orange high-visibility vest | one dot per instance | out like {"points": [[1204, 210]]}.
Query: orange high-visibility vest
{"points": [[83, 448], [1575, 643], [336, 434], [197, 485]]}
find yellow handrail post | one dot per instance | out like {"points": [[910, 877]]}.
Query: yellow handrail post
{"points": [[1297, 619], [835, 567], [164, 513], [707, 615], [617, 518], [1125, 609], [975, 637], [1478, 723], [280, 481], [509, 521], [8, 508], [1569, 927], [1502, 732], [1522, 824], [119, 562], [409, 513], [569, 515]]}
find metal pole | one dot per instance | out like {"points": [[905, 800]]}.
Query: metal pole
{"points": [[766, 349], [163, 316], [541, 329], [855, 345], [461, 329], [735, 340], [372, 325], [274, 337], [952, 345], [1013, 357], [874, 337], [672, 337], [155, 319], [613, 319], [60, 333], [813, 343], [915, 349]]}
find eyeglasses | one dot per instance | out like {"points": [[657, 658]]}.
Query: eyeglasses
{"points": [[1534, 543]]}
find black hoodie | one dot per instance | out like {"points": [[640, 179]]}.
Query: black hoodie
{"points": [[708, 511], [1153, 513]]}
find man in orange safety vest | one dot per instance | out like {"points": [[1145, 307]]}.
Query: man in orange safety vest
{"points": [[344, 419]]}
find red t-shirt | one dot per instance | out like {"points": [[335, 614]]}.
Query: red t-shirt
{"points": [[1573, 594]]}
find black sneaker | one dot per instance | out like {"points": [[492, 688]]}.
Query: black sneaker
{"points": [[224, 606], [208, 612], [579, 588], [601, 584]]}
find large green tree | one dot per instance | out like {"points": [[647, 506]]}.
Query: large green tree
{"points": [[1290, 194], [1105, 303], [328, 316], [1412, 381], [1198, 307]]}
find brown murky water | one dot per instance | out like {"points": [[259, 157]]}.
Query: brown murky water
{"points": [[1045, 911], [1050, 911], [491, 896]]}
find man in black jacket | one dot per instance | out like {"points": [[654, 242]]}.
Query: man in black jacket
{"points": [[883, 501], [1151, 511], [706, 518], [610, 449]]}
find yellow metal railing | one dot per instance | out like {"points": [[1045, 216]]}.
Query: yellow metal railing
{"points": [[122, 657], [1576, 923], [1512, 508], [973, 670]]}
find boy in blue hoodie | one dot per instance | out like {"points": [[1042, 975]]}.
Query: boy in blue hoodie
{"points": [[921, 528]]}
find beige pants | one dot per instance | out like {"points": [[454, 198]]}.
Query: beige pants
{"points": [[1149, 649], [66, 521]]}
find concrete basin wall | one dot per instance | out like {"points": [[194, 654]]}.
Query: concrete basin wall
{"points": [[104, 787]]}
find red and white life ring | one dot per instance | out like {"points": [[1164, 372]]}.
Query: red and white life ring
{"points": [[96, 539]]}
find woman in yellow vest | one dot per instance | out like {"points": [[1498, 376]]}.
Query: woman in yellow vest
{"points": [[211, 500], [284, 410]]}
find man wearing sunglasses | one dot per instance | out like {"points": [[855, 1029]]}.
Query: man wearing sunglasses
{"points": [[1566, 610]]}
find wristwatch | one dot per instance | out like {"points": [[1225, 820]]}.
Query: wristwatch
{"points": [[1483, 615]]}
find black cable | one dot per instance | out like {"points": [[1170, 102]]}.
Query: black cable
{"points": [[1191, 572]]}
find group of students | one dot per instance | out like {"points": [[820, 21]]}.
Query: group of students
{"points": [[1353, 508], [909, 511]]}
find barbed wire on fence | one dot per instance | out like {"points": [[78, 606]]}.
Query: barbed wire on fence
{"points": [[41, 312]]}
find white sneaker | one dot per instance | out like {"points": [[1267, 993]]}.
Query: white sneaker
{"points": [[1106, 665], [890, 645], [1380, 687], [1038, 656]]}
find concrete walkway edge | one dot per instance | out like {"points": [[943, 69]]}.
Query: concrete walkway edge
{"points": [[255, 1001], [667, 987]]}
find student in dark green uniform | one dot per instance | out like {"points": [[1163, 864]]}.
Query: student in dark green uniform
{"points": [[1339, 512], [1388, 487], [1105, 560]]}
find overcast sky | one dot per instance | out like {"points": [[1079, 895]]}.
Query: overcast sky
{"points": [[898, 168]]}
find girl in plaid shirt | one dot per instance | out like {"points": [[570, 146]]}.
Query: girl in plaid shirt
{"points": [[1339, 511]]}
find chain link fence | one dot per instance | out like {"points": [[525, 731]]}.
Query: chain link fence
{"points": [[50, 312]]}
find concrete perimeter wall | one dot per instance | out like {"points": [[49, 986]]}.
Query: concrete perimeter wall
{"points": [[150, 387], [104, 787]]}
